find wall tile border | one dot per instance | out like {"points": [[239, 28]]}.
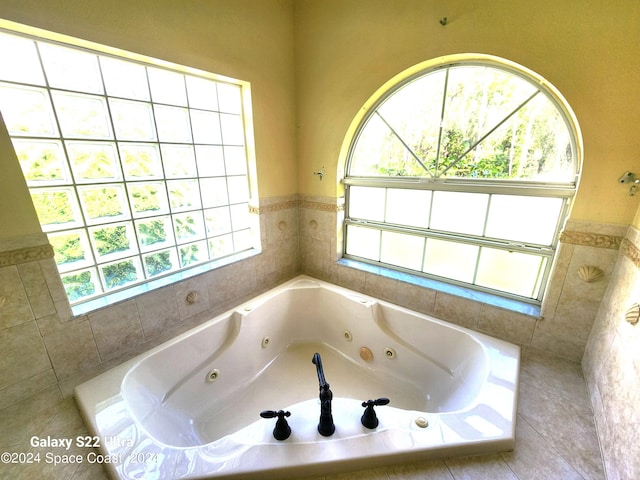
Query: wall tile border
{"points": [[274, 207], [25, 255], [631, 251], [321, 204], [591, 239]]}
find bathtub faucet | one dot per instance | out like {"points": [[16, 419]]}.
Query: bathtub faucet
{"points": [[326, 426]]}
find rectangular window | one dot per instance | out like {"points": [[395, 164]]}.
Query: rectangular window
{"points": [[136, 169], [494, 241]]}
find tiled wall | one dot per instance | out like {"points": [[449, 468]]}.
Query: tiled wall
{"points": [[45, 348], [46, 352], [568, 312], [612, 366]]}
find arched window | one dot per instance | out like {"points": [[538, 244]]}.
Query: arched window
{"points": [[464, 172]]}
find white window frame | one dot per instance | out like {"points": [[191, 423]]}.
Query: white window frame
{"points": [[250, 224], [562, 190]]}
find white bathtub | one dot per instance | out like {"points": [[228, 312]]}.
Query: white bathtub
{"points": [[190, 407]]}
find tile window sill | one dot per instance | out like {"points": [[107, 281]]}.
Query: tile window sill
{"points": [[459, 291], [109, 299]]}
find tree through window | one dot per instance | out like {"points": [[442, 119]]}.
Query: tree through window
{"points": [[463, 172]]}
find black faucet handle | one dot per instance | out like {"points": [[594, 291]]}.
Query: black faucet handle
{"points": [[369, 418], [282, 429], [376, 402]]}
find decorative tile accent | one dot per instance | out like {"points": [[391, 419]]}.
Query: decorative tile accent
{"points": [[328, 206], [630, 251], [24, 255], [323, 207], [276, 207], [591, 239]]}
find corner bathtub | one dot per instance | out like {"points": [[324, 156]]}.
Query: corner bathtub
{"points": [[190, 407]]}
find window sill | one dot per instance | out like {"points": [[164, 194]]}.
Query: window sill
{"points": [[109, 299], [516, 306]]}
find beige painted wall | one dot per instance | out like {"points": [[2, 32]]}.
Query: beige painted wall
{"points": [[347, 49], [250, 40], [17, 214]]}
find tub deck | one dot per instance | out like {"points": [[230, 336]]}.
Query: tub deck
{"points": [[183, 426]]}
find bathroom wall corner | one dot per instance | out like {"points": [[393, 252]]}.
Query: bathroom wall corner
{"points": [[611, 364]]}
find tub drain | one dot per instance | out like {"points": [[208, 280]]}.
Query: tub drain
{"points": [[213, 375]]}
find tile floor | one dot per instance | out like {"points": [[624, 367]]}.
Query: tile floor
{"points": [[556, 437]]}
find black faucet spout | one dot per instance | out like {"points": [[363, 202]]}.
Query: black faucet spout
{"points": [[326, 426], [317, 361]]}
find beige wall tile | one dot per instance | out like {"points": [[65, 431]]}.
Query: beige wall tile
{"points": [[116, 329], [158, 311], [573, 319], [36, 289], [612, 367], [14, 308], [558, 276], [506, 325], [416, 298], [225, 284], [351, 278], [23, 354], [54, 283], [556, 346], [381, 287], [72, 348], [461, 311]]}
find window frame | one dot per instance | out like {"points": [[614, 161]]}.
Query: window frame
{"points": [[563, 190], [146, 280]]}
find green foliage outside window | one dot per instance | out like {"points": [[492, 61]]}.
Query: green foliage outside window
{"points": [[102, 202], [158, 263], [67, 249], [78, 286], [145, 198], [152, 232], [45, 165], [52, 207], [111, 240], [118, 274], [189, 254]]}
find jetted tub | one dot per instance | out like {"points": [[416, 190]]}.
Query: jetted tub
{"points": [[190, 408]]}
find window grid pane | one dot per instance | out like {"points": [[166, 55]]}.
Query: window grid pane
{"points": [[143, 150]]}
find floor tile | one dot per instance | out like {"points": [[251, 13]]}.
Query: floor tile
{"points": [[534, 458], [485, 467], [433, 470], [565, 425]]}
